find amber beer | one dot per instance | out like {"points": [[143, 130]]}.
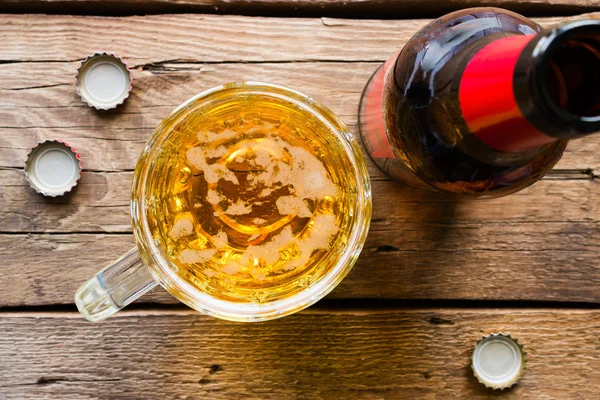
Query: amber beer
{"points": [[255, 200], [482, 102]]}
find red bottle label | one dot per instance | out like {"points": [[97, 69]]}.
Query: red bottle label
{"points": [[487, 98]]}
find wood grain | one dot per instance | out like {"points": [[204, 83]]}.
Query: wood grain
{"points": [[147, 40], [100, 204], [318, 354], [558, 263], [318, 8], [38, 102], [539, 244]]}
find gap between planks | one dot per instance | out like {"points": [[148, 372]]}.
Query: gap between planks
{"points": [[338, 306], [360, 9]]}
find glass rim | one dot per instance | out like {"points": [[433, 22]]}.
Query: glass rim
{"points": [[240, 311]]}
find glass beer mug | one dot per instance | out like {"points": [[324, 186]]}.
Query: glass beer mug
{"points": [[250, 202]]}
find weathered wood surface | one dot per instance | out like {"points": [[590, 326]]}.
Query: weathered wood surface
{"points": [[317, 354], [338, 8], [100, 203], [540, 244], [144, 40], [38, 102], [47, 269], [37, 99]]}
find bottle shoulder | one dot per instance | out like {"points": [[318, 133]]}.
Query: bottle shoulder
{"points": [[425, 78], [423, 110], [430, 58]]}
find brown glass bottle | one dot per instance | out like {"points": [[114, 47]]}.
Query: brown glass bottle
{"points": [[481, 102]]}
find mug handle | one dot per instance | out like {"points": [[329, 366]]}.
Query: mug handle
{"points": [[114, 287]]}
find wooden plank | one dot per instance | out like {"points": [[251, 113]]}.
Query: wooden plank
{"points": [[37, 99], [338, 8], [192, 37], [38, 102], [557, 262], [550, 227], [539, 244], [48, 269], [206, 38], [100, 203], [96, 205], [321, 354]]}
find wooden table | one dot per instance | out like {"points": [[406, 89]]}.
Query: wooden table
{"points": [[434, 275]]}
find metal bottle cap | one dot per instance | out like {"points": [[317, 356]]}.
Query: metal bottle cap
{"points": [[53, 168], [103, 81], [498, 360]]}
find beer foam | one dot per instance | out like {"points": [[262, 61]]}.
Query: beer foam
{"points": [[269, 252], [188, 256], [231, 268], [254, 129], [265, 192], [323, 228], [224, 135], [254, 237], [305, 176], [209, 137], [220, 240], [213, 197], [257, 274], [210, 273], [195, 156], [183, 226], [213, 172], [262, 158], [239, 208], [293, 169], [293, 205], [216, 153]]}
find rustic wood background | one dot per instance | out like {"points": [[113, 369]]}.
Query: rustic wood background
{"points": [[434, 276]]}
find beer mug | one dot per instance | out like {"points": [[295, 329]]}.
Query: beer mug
{"points": [[250, 202]]}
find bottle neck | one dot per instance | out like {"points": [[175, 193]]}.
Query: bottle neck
{"points": [[521, 92]]}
